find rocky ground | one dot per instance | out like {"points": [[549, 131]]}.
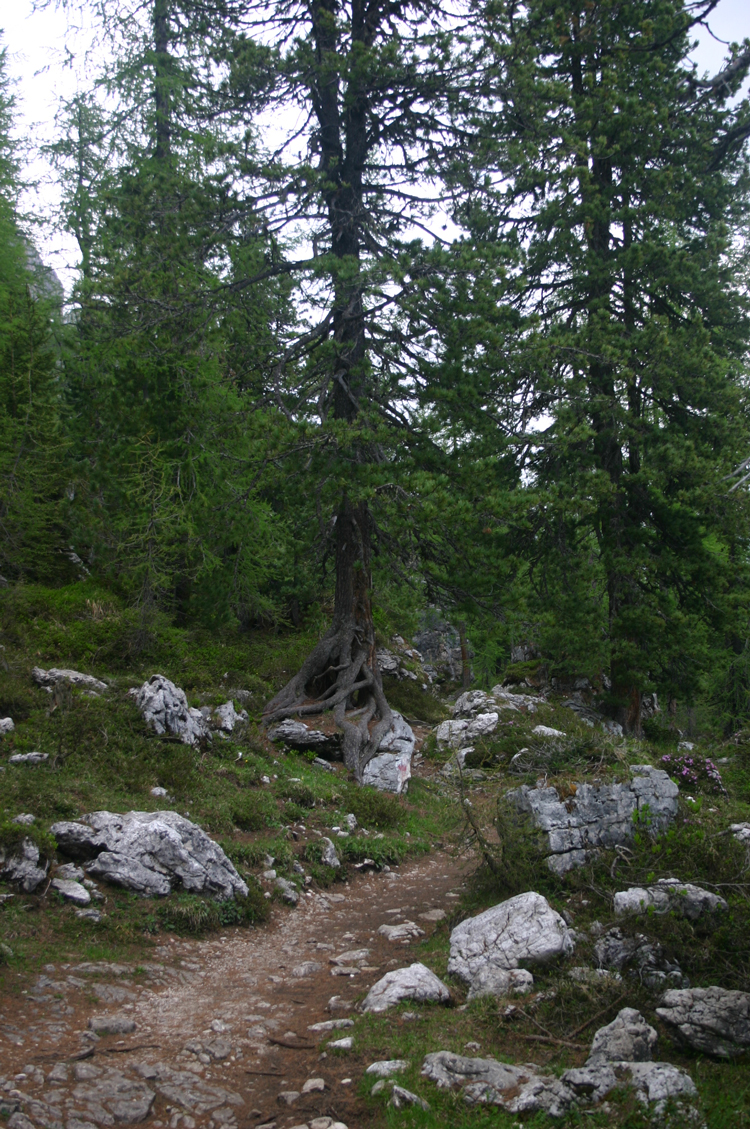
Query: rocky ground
{"points": [[224, 1031]]}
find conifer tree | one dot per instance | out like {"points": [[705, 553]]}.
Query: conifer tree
{"points": [[614, 178]]}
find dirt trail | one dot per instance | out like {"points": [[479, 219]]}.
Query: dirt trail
{"points": [[202, 1054]]}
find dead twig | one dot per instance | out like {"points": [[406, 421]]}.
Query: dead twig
{"points": [[599, 1015]]}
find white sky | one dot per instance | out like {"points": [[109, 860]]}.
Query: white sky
{"points": [[37, 60]]}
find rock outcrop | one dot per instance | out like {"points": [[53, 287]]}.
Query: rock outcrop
{"points": [[151, 853], [598, 815], [714, 1020], [521, 931], [620, 1055], [165, 708]]}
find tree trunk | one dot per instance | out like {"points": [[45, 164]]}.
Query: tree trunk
{"points": [[341, 673]]}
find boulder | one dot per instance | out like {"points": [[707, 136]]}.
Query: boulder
{"points": [[523, 930], [22, 865], [390, 770], [669, 894], [501, 982], [297, 735], [616, 950], [165, 708], [458, 734], [151, 853], [328, 855], [416, 983], [6, 726], [48, 679], [628, 1038], [713, 1020], [225, 718], [598, 815]]}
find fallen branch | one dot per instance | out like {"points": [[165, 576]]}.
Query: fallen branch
{"points": [[266, 1073], [599, 1015]]}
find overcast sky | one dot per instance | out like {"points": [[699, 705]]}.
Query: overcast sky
{"points": [[37, 57]]}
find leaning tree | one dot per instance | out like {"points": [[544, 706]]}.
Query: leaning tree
{"points": [[366, 86]]}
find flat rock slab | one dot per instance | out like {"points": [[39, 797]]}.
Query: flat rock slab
{"points": [[112, 1025], [405, 931], [416, 983], [669, 894], [598, 816], [713, 1020], [48, 679], [71, 891], [151, 853], [386, 1067], [521, 930]]}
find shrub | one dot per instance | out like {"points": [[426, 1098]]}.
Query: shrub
{"points": [[373, 808], [252, 811], [693, 772]]}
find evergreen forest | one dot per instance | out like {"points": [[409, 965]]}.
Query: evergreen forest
{"points": [[386, 310]]}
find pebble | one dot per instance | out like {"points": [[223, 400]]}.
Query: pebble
{"points": [[345, 1044], [313, 1086]]}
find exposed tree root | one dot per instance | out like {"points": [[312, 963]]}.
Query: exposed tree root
{"points": [[341, 673]]}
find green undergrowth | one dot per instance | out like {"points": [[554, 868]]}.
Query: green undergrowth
{"points": [[256, 799]]}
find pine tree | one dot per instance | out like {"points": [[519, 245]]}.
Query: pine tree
{"points": [[32, 443], [614, 179]]}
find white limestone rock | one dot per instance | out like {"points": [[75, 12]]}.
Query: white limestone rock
{"points": [[668, 894], [523, 930], [385, 1068], [517, 1089], [390, 770], [628, 1038], [48, 679], [715, 1021], [226, 719], [416, 983], [501, 982], [71, 891], [151, 853], [297, 735], [165, 708], [404, 931], [7, 725], [547, 731], [328, 855], [597, 815], [22, 865]]}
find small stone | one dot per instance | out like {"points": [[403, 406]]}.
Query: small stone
{"points": [[6, 725], [112, 1025], [433, 915], [416, 982], [25, 819], [313, 1086], [69, 872], [288, 1097], [400, 1098], [58, 1073], [28, 758], [93, 915], [328, 855], [403, 932], [159, 792], [344, 1044], [388, 1066], [628, 1038], [331, 1025], [289, 892], [307, 968], [71, 891]]}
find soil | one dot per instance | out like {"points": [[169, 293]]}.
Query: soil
{"points": [[221, 1025]]}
